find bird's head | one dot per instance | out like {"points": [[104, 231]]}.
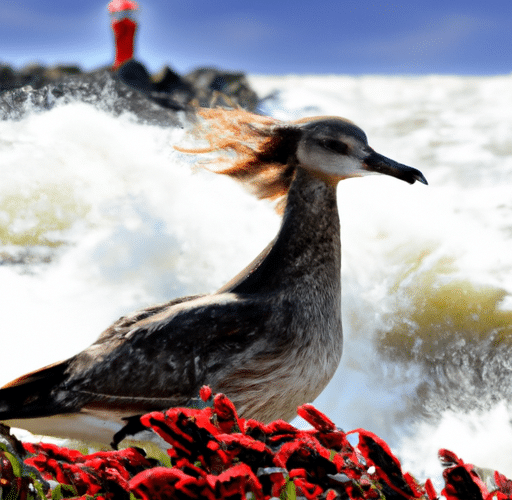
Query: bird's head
{"points": [[336, 149], [266, 151]]}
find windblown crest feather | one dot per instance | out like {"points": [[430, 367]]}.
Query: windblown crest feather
{"points": [[261, 147]]}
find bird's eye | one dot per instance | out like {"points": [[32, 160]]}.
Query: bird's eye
{"points": [[334, 146]]}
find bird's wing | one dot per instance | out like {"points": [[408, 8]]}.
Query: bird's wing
{"points": [[167, 356], [130, 321], [152, 360], [35, 394]]}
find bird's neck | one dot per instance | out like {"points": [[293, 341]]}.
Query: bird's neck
{"points": [[307, 248]]}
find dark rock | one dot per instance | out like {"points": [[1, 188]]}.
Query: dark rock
{"points": [[7, 77], [99, 88], [34, 75], [213, 85], [205, 86], [135, 74], [10, 442], [61, 71], [169, 91], [167, 80]]}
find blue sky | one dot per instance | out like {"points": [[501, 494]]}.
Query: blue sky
{"points": [[271, 36]]}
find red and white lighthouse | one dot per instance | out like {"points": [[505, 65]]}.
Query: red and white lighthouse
{"points": [[124, 26]]}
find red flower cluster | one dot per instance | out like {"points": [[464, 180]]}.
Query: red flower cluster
{"points": [[217, 455], [462, 481], [102, 475]]}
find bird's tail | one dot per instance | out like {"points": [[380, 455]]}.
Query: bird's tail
{"points": [[35, 394]]}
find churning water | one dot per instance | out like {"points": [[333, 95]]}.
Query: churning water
{"points": [[99, 215]]}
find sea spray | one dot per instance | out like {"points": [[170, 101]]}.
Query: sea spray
{"points": [[99, 215]]}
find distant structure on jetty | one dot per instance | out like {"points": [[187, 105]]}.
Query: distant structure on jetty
{"points": [[124, 25], [205, 87]]}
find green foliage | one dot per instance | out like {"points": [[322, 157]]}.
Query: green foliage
{"points": [[22, 488], [288, 492], [37, 486], [58, 493], [15, 464], [153, 451]]}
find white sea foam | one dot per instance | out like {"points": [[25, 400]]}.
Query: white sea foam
{"points": [[482, 438], [408, 250], [135, 223], [128, 222]]}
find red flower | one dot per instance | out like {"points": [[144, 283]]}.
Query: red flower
{"points": [[306, 452], [377, 453], [187, 430], [54, 451], [277, 478], [205, 393], [88, 474], [316, 418], [12, 486], [331, 495], [320, 462], [461, 484], [337, 441], [163, 483], [279, 428], [448, 458], [503, 484], [239, 479], [429, 488], [245, 449], [461, 479], [225, 412], [6, 471], [303, 487]]}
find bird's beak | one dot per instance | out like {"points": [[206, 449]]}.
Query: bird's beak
{"points": [[375, 162]]}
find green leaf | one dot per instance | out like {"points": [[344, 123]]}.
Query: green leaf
{"points": [[289, 492], [57, 493], [37, 485], [162, 456], [15, 463]]}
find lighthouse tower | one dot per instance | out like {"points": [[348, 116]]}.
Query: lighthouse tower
{"points": [[124, 26]]}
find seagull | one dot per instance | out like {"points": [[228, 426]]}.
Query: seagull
{"points": [[270, 339]]}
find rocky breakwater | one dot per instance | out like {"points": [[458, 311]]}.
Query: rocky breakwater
{"points": [[154, 99]]}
